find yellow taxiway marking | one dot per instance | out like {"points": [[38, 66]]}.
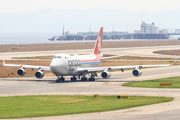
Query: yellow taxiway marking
{"points": [[85, 94]]}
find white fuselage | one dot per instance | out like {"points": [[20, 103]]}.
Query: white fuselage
{"points": [[64, 64]]}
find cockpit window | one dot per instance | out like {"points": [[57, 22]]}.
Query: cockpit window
{"points": [[57, 56]]}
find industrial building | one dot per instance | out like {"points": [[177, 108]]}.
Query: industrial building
{"points": [[147, 31]]}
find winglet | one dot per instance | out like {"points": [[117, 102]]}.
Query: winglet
{"points": [[3, 62]]}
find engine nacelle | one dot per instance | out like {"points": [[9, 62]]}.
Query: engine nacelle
{"points": [[105, 74], [39, 74], [136, 72], [21, 72]]}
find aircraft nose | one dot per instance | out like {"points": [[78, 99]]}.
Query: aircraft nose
{"points": [[54, 66], [54, 69], [58, 67]]}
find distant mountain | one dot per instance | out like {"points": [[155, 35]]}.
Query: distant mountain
{"points": [[52, 20]]}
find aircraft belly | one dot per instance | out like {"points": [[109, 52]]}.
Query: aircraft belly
{"points": [[59, 70], [72, 70]]}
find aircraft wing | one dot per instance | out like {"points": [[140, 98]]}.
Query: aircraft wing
{"points": [[28, 66], [97, 69], [104, 58]]}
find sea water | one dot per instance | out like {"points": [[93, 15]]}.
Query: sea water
{"points": [[35, 38]]}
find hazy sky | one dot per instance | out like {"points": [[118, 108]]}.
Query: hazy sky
{"points": [[131, 5]]}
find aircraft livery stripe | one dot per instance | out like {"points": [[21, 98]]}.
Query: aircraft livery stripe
{"points": [[94, 62], [98, 57]]}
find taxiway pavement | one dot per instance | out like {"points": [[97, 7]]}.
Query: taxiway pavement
{"points": [[111, 86], [134, 51]]}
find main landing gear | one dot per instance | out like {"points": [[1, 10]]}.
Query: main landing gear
{"points": [[84, 78], [73, 78], [90, 79], [92, 76], [62, 79]]}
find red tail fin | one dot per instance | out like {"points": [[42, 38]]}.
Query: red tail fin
{"points": [[3, 62], [97, 47]]}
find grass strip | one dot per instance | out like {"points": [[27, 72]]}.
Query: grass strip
{"points": [[155, 83], [51, 105]]}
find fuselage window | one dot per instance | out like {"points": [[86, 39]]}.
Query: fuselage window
{"points": [[57, 56], [74, 62]]}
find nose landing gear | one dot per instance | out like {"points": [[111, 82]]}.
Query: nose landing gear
{"points": [[59, 80]]}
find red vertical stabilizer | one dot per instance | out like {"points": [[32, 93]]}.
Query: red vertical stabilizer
{"points": [[97, 47], [3, 62]]}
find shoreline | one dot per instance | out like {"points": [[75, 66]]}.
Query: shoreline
{"points": [[82, 41], [84, 45]]}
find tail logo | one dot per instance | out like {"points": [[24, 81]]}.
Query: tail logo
{"points": [[99, 44]]}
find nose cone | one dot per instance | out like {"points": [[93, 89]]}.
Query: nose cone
{"points": [[54, 66], [57, 67], [54, 69]]}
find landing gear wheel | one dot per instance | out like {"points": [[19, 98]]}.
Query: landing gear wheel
{"points": [[62, 79], [84, 79], [59, 80], [91, 79], [73, 79]]}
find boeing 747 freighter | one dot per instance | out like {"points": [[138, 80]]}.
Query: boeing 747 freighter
{"points": [[80, 65]]}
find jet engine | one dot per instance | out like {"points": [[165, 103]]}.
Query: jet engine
{"points": [[105, 74], [136, 72], [21, 72], [39, 74]]}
